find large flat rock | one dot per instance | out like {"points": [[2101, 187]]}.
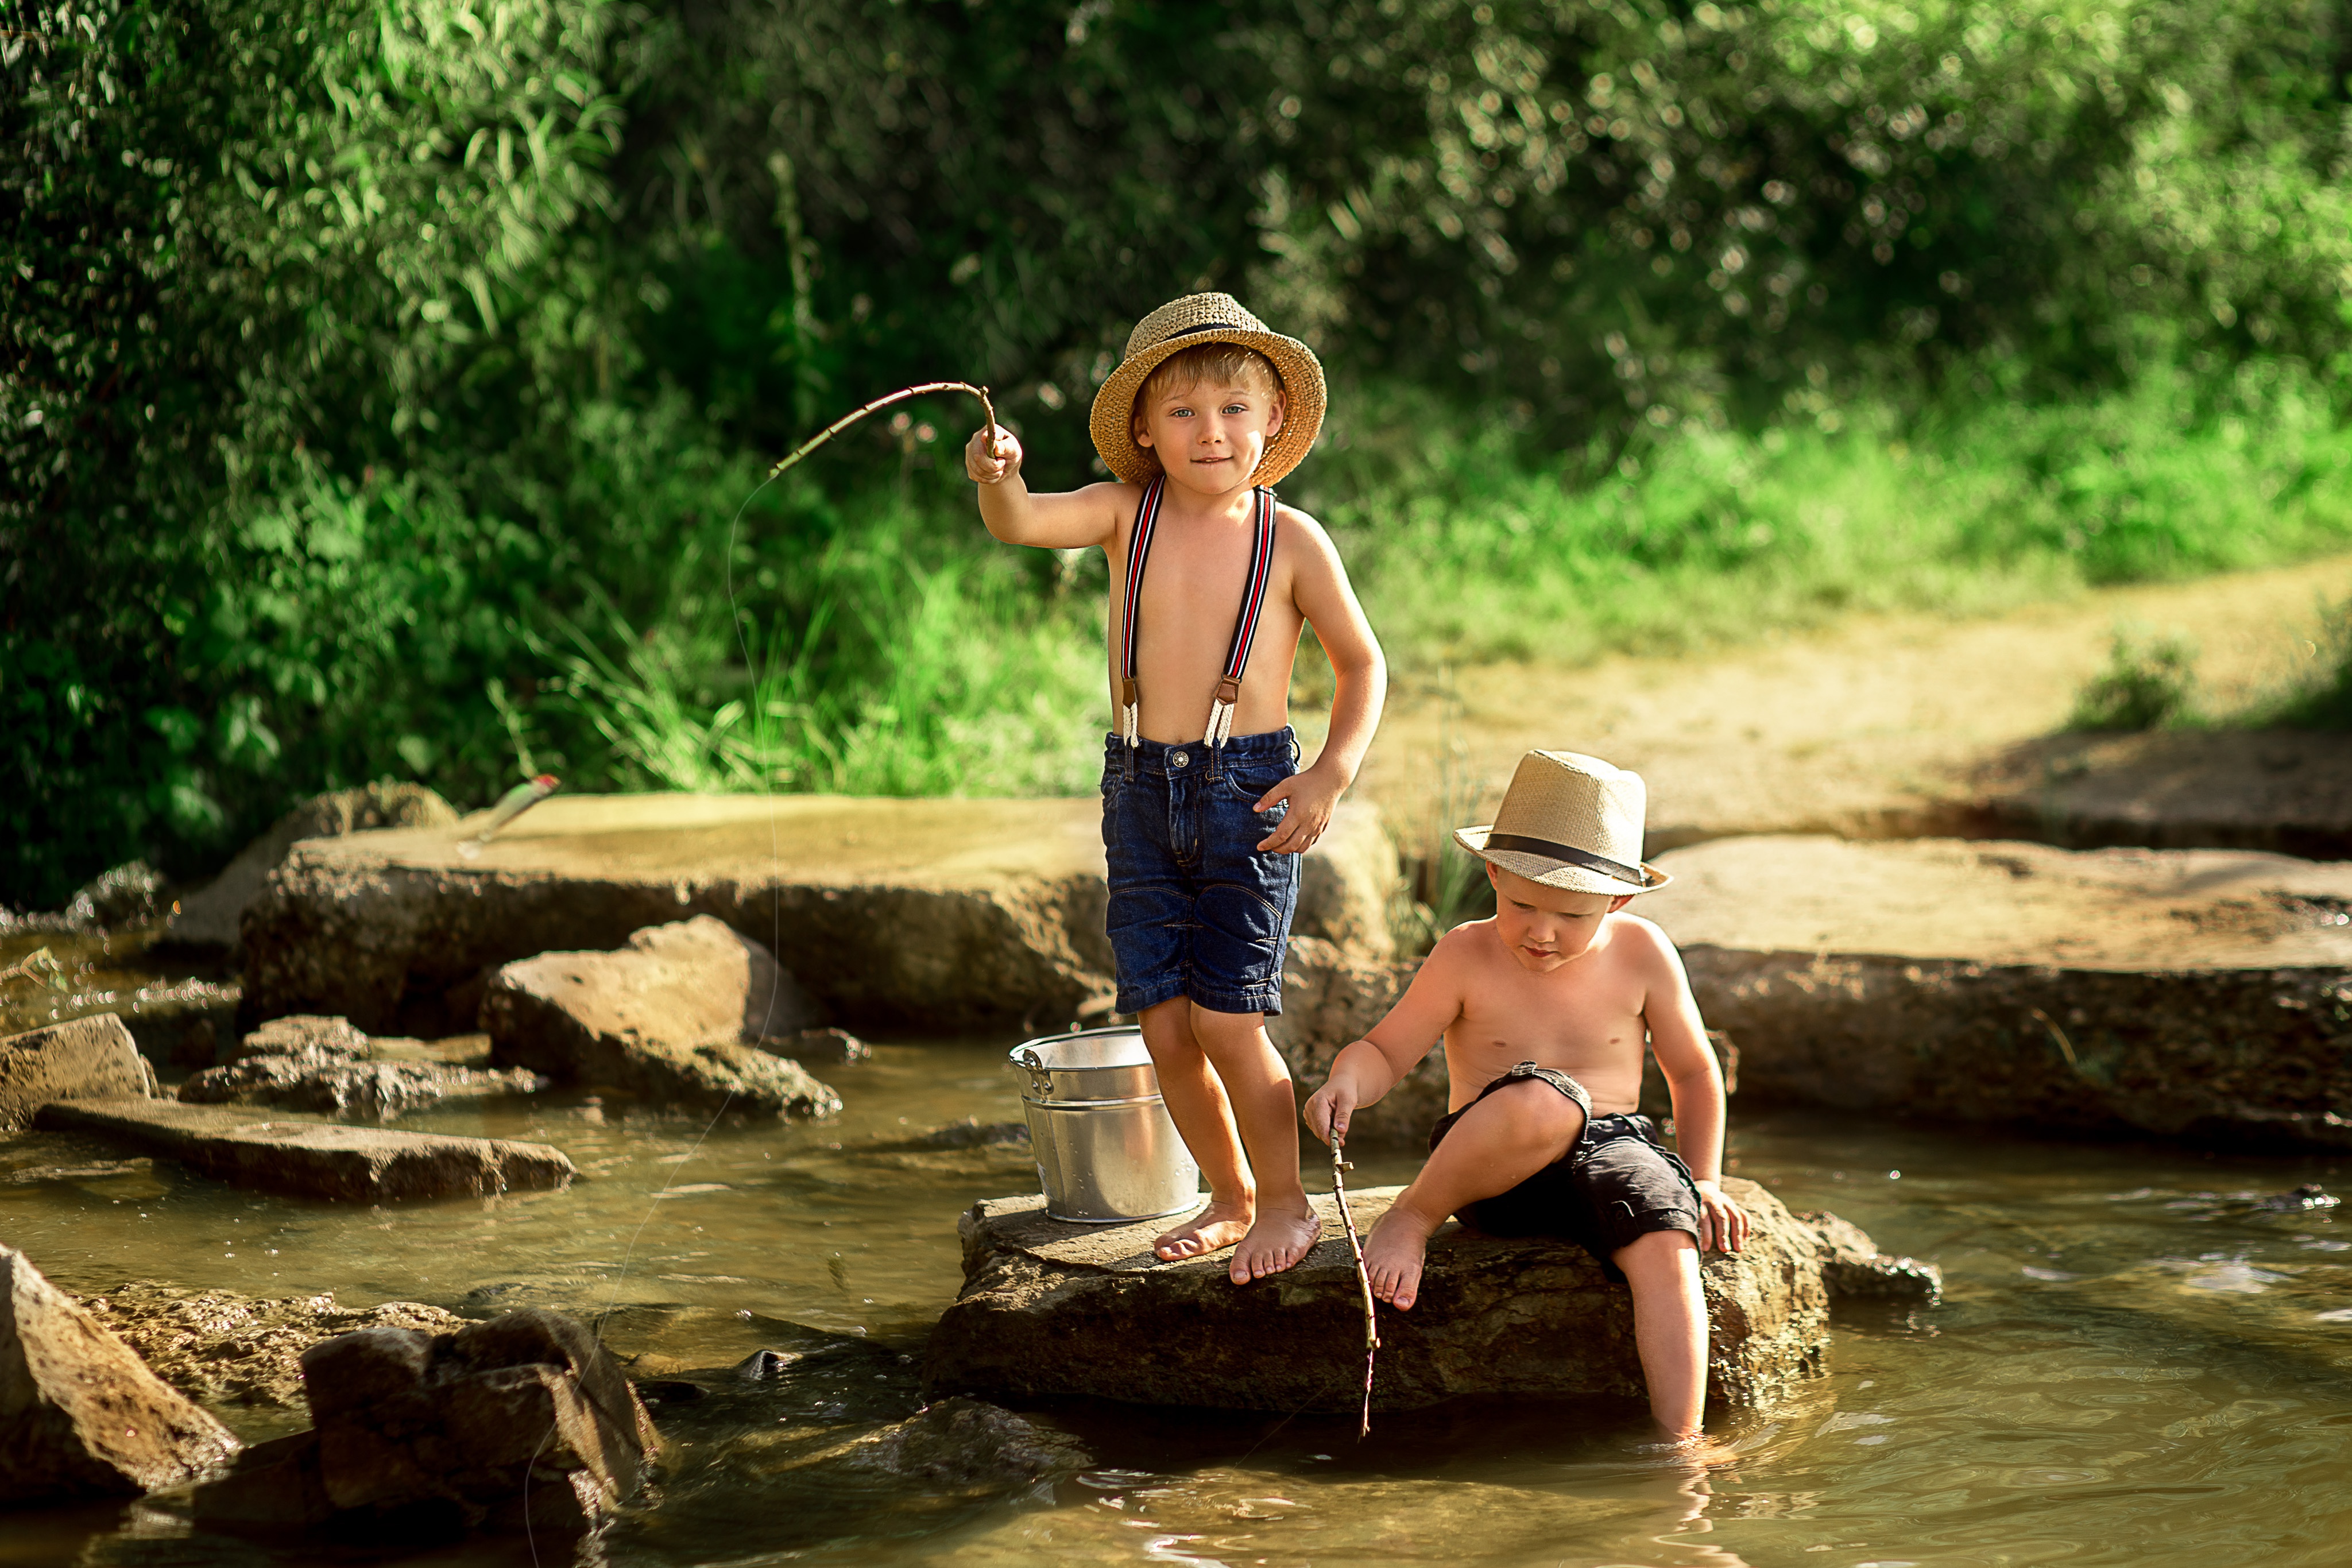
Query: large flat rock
{"points": [[2198, 993], [1052, 1309], [2284, 790], [928, 914], [246, 1147]]}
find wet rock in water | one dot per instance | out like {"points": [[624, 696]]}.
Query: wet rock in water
{"points": [[1051, 1309], [817, 1046], [224, 1348], [960, 1445], [80, 1416], [932, 915], [208, 917], [316, 1159], [81, 1059], [971, 1133], [309, 1063], [665, 1019], [1330, 997], [1853, 1269], [2200, 994], [763, 1365], [520, 1423], [2310, 1196]]}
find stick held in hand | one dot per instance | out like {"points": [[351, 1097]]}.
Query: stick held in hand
{"points": [[902, 395], [1339, 1167]]}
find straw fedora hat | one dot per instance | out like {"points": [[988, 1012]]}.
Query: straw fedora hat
{"points": [[1570, 822], [1187, 323]]}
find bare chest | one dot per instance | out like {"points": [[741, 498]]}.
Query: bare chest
{"points": [[1193, 601], [1587, 1025]]}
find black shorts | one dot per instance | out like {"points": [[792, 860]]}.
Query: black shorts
{"points": [[1615, 1184]]}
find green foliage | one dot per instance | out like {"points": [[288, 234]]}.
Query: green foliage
{"points": [[378, 384], [2151, 680]]}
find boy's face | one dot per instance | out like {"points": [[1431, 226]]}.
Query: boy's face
{"points": [[1210, 436], [1546, 928]]}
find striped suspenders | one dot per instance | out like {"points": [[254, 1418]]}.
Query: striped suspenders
{"points": [[1261, 567]]}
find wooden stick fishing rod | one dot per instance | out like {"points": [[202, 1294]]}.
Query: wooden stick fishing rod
{"points": [[1339, 1167], [846, 420]]}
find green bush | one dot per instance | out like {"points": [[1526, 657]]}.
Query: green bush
{"points": [[377, 384], [2151, 680]]}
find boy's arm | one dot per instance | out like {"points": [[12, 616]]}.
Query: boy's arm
{"points": [[1327, 600], [1375, 1065], [1678, 1037], [1068, 520]]}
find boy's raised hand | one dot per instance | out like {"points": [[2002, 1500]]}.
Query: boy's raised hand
{"points": [[1313, 795], [988, 464]]}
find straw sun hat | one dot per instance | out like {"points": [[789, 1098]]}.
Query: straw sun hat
{"points": [[1186, 323], [1569, 821]]}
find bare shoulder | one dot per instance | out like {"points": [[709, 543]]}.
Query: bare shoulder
{"points": [[1641, 944], [1305, 531], [1464, 948]]}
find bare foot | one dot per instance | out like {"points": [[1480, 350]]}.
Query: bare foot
{"points": [[1219, 1225], [1393, 1256], [1279, 1239]]}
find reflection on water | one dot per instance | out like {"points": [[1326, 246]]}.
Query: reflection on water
{"points": [[2138, 1363]]}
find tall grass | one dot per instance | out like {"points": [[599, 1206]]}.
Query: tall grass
{"points": [[1704, 536], [892, 648]]}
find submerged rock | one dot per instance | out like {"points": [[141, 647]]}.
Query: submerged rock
{"points": [[80, 1416], [2202, 994], [1853, 1269], [666, 1018], [306, 1062], [520, 1423], [317, 1159], [960, 1445], [1052, 1309], [823, 1047], [228, 1349], [81, 1059]]}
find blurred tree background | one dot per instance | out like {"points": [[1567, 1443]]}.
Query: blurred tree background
{"points": [[380, 386]]}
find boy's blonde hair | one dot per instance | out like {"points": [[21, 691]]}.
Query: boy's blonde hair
{"points": [[1225, 363]]}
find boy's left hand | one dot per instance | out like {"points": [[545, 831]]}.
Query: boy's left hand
{"points": [[1722, 1224], [1313, 796]]}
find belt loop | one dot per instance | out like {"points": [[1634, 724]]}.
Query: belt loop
{"points": [[1216, 762], [1126, 764]]}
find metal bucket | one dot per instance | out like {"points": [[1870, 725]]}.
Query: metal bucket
{"points": [[1106, 1150]]}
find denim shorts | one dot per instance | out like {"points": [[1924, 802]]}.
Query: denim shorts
{"points": [[1196, 909]]}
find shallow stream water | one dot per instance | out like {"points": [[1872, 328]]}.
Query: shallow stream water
{"points": [[2134, 1364]]}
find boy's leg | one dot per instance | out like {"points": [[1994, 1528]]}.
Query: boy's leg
{"points": [[1266, 1108], [1669, 1327], [1203, 1114], [1503, 1138]]}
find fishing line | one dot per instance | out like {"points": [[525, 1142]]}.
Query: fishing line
{"points": [[775, 842]]}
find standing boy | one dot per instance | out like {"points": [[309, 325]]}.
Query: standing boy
{"points": [[1544, 1010], [1203, 818]]}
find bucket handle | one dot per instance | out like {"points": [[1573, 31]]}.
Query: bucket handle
{"points": [[1041, 1082]]}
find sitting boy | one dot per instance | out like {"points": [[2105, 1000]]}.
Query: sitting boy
{"points": [[1543, 1009], [1203, 818]]}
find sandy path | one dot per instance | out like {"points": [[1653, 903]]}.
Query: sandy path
{"points": [[1867, 729]]}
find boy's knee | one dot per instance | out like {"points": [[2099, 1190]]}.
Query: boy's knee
{"points": [[1534, 1110], [1219, 1032], [1658, 1251]]}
